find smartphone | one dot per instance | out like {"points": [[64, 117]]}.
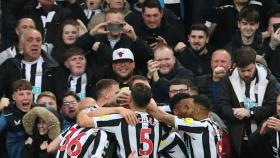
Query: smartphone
{"points": [[276, 26], [151, 40], [115, 27]]}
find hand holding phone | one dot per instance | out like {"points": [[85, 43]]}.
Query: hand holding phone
{"points": [[276, 27], [115, 27]]}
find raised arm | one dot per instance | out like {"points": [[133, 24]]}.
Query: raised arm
{"points": [[164, 117]]}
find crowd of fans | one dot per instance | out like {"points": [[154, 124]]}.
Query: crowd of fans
{"points": [[140, 78]]}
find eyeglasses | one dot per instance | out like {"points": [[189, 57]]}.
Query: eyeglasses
{"points": [[123, 62], [67, 103], [178, 91]]}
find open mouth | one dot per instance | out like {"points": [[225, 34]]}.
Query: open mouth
{"points": [[26, 105], [34, 49]]}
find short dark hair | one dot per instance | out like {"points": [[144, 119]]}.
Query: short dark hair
{"points": [[245, 56], [176, 99], [141, 95], [202, 100], [103, 84], [73, 51], [179, 81], [151, 4], [249, 14], [71, 93], [199, 27], [136, 77], [67, 22], [274, 13], [20, 85]]}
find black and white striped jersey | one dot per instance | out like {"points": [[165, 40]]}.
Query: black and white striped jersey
{"points": [[78, 142], [143, 138], [172, 146], [33, 72], [203, 138]]}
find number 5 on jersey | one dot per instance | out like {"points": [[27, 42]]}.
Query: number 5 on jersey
{"points": [[147, 141]]}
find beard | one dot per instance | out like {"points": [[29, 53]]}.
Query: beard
{"points": [[197, 51], [124, 78]]}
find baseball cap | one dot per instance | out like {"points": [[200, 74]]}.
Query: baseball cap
{"points": [[122, 53]]}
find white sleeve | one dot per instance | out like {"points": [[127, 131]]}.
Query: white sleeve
{"points": [[109, 123]]}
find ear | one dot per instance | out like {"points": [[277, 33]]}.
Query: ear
{"points": [[17, 31], [66, 64], [258, 24], [238, 24], [207, 39], [105, 93], [196, 110], [14, 96], [176, 112]]}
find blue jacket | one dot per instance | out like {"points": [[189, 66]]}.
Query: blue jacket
{"points": [[11, 121]]}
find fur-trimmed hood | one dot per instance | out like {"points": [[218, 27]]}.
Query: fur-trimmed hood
{"points": [[50, 119]]}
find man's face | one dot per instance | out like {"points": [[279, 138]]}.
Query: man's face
{"points": [[175, 89], [93, 4], [198, 40], [152, 17], [272, 20], [185, 108], [76, 64], [247, 29], [23, 99], [70, 34], [166, 60], [221, 59], [31, 45], [25, 24], [116, 4], [69, 107], [278, 105], [247, 73], [123, 68], [115, 18], [50, 102]]}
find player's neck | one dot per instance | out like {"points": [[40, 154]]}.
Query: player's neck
{"points": [[200, 117], [100, 102], [134, 108]]}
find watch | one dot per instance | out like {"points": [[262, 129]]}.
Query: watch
{"points": [[251, 112]]}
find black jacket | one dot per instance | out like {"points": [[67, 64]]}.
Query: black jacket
{"points": [[237, 43], [61, 82], [169, 31], [103, 57], [23, 8], [10, 71], [199, 64], [160, 88], [267, 91], [272, 58]]}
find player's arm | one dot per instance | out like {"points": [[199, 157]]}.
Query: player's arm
{"points": [[84, 120], [53, 146], [87, 121], [129, 115], [164, 117]]}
